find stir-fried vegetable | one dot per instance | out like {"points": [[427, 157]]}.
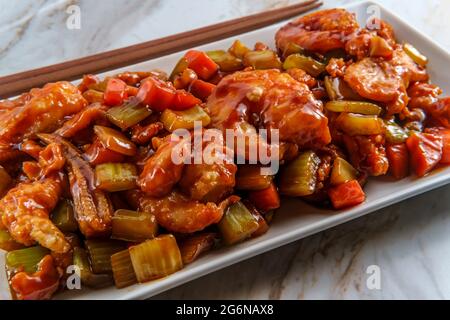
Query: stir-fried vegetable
{"points": [[342, 172], [298, 178], [156, 258], [93, 96], [237, 224], [425, 151], [398, 157], [5, 180], [115, 92], [114, 177], [249, 177], [26, 259], [201, 89], [114, 140], [7, 243], [173, 120], [63, 216], [181, 65], [192, 247], [360, 107], [263, 226], [265, 59], [122, 269], [157, 94], [266, 199], [415, 55], [133, 226], [128, 114], [445, 135], [338, 89], [356, 124], [394, 132], [346, 195], [87, 277], [226, 61], [292, 48], [203, 65], [100, 252], [238, 49], [308, 64]]}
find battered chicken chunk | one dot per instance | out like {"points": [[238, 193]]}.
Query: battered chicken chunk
{"points": [[43, 111], [272, 100], [320, 31]]}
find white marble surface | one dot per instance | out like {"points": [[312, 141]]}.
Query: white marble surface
{"points": [[410, 241]]}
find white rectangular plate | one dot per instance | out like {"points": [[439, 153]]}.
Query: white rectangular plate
{"points": [[295, 219]]}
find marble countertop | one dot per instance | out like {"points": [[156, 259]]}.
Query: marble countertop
{"points": [[408, 244]]}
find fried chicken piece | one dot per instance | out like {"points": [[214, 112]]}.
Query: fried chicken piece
{"points": [[25, 209], [177, 213], [82, 120], [271, 100], [367, 154], [43, 111], [214, 178], [320, 31]]}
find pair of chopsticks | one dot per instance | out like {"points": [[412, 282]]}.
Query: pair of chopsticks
{"points": [[20, 82]]}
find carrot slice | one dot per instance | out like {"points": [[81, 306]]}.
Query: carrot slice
{"points": [[201, 89], [266, 199], [115, 93], [157, 94], [398, 157], [346, 195], [184, 100], [445, 134], [203, 65], [425, 151]]}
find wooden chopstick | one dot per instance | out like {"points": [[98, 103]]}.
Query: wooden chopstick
{"points": [[20, 82]]}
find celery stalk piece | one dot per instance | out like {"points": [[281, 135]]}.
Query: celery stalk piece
{"points": [[89, 279], [100, 252], [173, 120], [308, 64], [7, 242], [226, 61], [298, 178], [5, 181], [237, 224], [156, 258], [249, 177], [115, 177], [63, 217], [128, 114], [133, 226], [26, 259], [181, 65], [265, 59], [394, 132], [342, 172], [292, 48], [356, 124], [122, 269], [238, 49], [360, 107], [338, 89]]}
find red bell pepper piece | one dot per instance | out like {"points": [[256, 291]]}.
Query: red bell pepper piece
{"points": [[115, 93], [203, 65], [265, 200], [156, 93], [398, 157], [201, 89], [445, 134], [425, 151], [97, 153], [184, 100], [346, 195]]}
